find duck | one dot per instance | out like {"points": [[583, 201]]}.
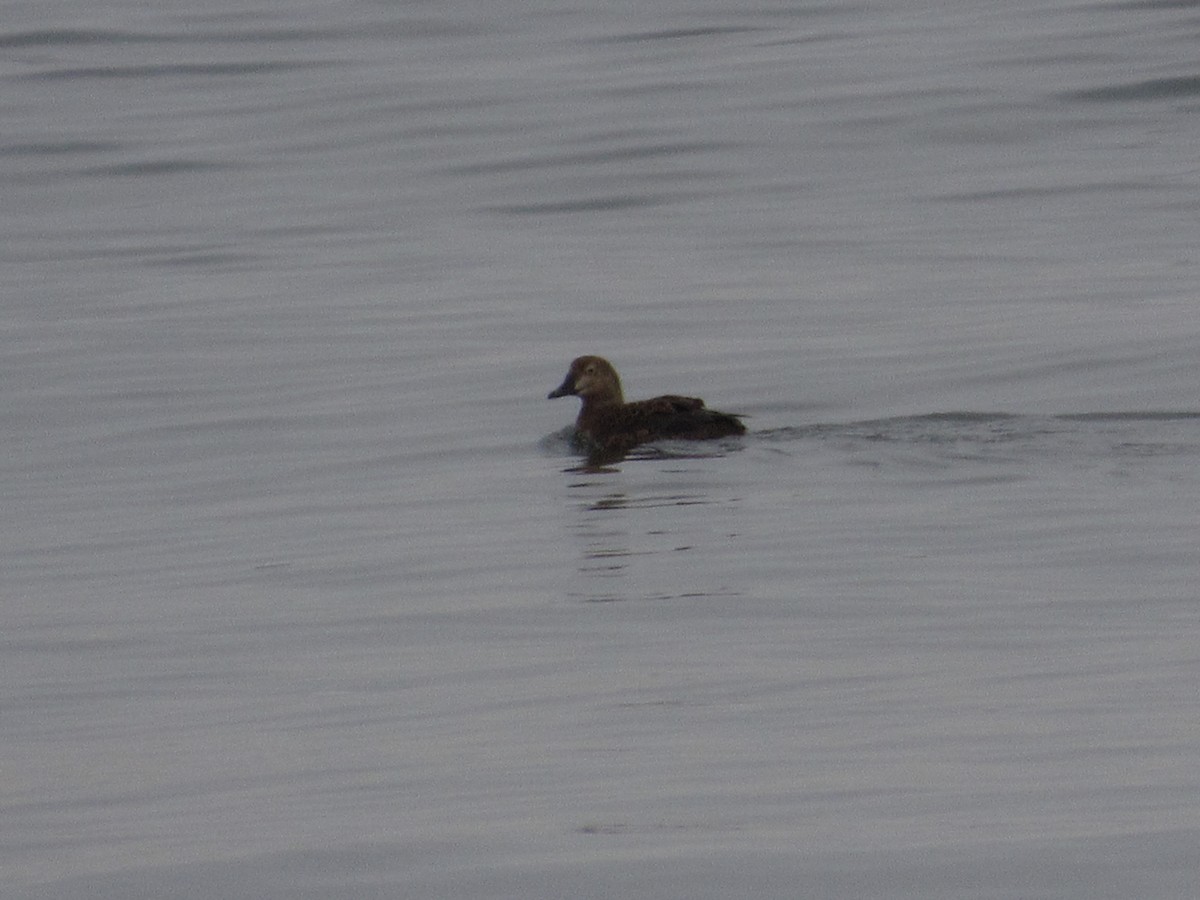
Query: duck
{"points": [[610, 425]]}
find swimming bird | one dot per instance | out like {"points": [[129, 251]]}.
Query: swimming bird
{"points": [[609, 424]]}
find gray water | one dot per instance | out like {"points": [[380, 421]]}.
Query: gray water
{"points": [[306, 594]]}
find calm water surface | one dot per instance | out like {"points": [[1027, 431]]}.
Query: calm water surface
{"points": [[305, 594]]}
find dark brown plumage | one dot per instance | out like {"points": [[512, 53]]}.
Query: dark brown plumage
{"points": [[611, 425]]}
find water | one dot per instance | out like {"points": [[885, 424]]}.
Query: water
{"points": [[306, 595]]}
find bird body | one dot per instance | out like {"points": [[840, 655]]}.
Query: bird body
{"points": [[610, 424]]}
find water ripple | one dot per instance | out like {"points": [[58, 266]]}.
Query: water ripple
{"points": [[609, 203], [1179, 87], [157, 167], [1008, 437], [670, 34], [173, 70], [79, 37], [589, 157]]}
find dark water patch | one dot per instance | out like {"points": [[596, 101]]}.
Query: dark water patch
{"points": [[153, 255], [45, 38], [653, 597], [1156, 4], [205, 260], [174, 70], [596, 462], [414, 27], [1135, 416], [646, 501], [1007, 437], [420, 28], [964, 422], [813, 10], [673, 34], [932, 426], [1024, 61], [58, 148], [684, 450], [158, 167], [591, 157], [676, 87], [175, 255], [71, 37], [1067, 190], [1179, 87], [824, 38], [612, 203]]}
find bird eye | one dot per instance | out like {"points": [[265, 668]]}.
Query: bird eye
{"points": [[590, 370]]}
